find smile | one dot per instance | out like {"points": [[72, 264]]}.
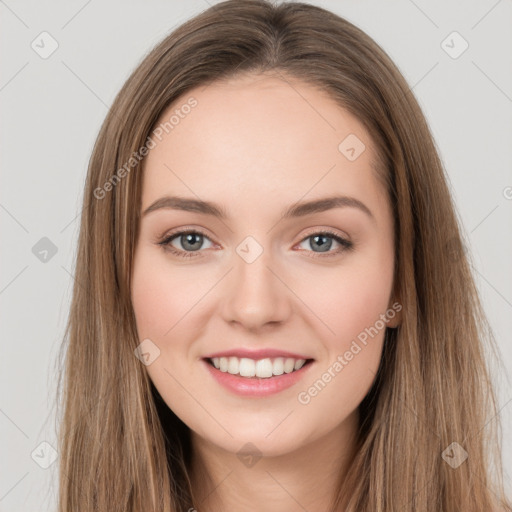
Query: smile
{"points": [[261, 368], [256, 378]]}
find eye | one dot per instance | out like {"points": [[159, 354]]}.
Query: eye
{"points": [[190, 241], [323, 241]]}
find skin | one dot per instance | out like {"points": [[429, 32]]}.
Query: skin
{"points": [[255, 145]]}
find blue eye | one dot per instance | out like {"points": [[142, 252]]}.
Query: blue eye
{"points": [[192, 240], [323, 241]]}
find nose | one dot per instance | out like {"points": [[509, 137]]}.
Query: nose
{"points": [[256, 294]]}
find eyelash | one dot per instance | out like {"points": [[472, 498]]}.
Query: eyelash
{"points": [[346, 245]]}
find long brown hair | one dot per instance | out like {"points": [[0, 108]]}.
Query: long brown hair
{"points": [[121, 447]]}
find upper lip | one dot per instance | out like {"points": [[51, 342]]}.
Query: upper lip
{"points": [[256, 354]]}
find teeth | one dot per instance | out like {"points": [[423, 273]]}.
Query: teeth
{"points": [[289, 365], [247, 368], [278, 366], [263, 368], [299, 364], [233, 365]]}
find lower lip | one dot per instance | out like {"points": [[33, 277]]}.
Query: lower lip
{"points": [[245, 386]]}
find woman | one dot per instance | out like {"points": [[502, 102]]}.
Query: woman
{"points": [[273, 309]]}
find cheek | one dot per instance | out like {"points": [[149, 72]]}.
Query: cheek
{"points": [[152, 301], [160, 297], [350, 299], [351, 304], [354, 347]]}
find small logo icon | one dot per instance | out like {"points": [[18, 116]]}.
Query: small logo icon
{"points": [[455, 455], [249, 249], [44, 45], [147, 352], [454, 45], [44, 455], [351, 147], [249, 455], [44, 250]]}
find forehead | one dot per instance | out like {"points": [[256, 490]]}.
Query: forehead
{"points": [[258, 135]]}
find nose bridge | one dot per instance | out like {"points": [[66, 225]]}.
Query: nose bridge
{"points": [[256, 295]]}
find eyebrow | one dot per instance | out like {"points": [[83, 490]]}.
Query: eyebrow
{"points": [[299, 209]]}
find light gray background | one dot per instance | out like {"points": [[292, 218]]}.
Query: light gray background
{"points": [[51, 112]]}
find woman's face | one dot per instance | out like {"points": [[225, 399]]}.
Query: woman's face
{"points": [[258, 280]]}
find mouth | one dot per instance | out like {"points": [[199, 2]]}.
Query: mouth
{"points": [[266, 368]]}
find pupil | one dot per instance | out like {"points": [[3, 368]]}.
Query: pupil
{"points": [[189, 239], [324, 246]]}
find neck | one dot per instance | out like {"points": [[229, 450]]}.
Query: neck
{"points": [[305, 479]]}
